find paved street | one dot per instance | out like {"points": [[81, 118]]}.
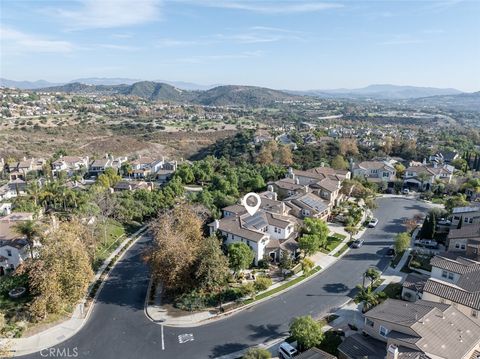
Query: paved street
{"points": [[118, 327]]}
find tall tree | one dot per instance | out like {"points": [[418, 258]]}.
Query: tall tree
{"points": [[29, 230], [240, 256], [212, 267], [61, 273], [306, 331], [402, 242], [177, 236]]}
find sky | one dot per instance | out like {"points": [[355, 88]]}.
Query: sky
{"points": [[282, 44]]}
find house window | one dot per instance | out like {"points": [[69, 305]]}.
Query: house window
{"points": [[462, 246], [456, 218], [466, 220], [470, 220], [450, 275], [386, 174], [9, 252], [444, 274], [369, 322], [457, 245], [383, 331], [474, 313]]}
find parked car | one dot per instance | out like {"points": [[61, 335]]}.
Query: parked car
{"points": [[405, 191], [444, 222], [391, 252], [427, 243], [286, 351], [373, 223], [357, 243]]}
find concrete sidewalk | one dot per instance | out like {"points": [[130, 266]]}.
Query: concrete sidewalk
{"points": [[158, 314], [63, 331]]}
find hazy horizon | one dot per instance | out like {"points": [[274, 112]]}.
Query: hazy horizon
{"points": [[295, 45]]}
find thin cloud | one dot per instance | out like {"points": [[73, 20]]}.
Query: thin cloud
{"points": [[17, 41], [94, 14], [269, 6], [200, 59], [253, 35], [118, 47], [402, 42]]}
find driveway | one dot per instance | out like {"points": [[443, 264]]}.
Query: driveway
{"points": [[118, 328]]}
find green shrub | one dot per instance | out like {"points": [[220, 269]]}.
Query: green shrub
{"points": [[262, 283], [9, 282], [262, 263]]}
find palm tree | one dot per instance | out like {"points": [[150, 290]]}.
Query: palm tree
{"points": [[368, 297], [34, 191], [28, 229], [372, 274]]}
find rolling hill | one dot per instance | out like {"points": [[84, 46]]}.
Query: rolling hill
{"points": [[384, 92], [248, 96]]}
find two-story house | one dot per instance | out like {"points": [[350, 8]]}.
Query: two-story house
{"points": [[324, 181], [97, 167], [13, 246], [374, 171], [424, 176], [455, 282], [70, 164], [467, 215], [269, 231], [422, 329], [465, 241]]}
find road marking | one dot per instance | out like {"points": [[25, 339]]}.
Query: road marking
{"points": [[163, 341], [183, 338]]}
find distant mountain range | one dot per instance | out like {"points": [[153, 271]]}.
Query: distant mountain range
{"points": [[108, 81], [383, 92], [250, 96]]}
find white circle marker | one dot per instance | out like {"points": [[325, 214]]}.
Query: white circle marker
{"points": [[251, 209]]}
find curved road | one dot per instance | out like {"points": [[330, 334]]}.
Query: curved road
{"points": [[118, 327]]}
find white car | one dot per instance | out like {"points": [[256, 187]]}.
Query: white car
{"points": [[286, 351], [373, 223], [406, 191]]}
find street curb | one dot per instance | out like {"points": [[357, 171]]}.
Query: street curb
{"points": [[133, 239], [222, 316]]}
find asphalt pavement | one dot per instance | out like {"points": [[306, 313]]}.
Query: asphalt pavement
{"points": [[118, 327]]}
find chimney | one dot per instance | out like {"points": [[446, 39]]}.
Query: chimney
{"points": [[274, 196], [216, 225], [392, 352], [322, 164], [270, 188], [297, 181], [290, 173]]}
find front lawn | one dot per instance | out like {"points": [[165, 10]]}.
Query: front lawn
{"points": [[283, 286], [115, 233], [393, 290], [333, 241], [421, 261]]}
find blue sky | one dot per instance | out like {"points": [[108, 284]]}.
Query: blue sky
{"points": [[300, 44]]}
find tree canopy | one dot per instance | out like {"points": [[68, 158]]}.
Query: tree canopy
{"points": [[306, 331]]}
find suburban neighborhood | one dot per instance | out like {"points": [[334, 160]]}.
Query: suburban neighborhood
{"points": [[239, 179]]}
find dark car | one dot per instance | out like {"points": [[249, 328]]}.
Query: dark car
{"points": [[357, 243], [391, 252]]}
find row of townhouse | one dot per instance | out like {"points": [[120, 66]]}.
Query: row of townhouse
{"points": [[275, 226], [13, 246], [141, 167], [419, 176]]}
